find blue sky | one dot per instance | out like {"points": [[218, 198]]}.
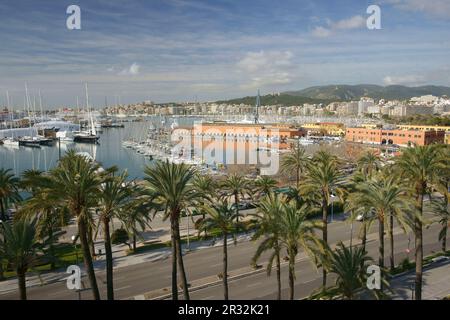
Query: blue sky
{"points": [[182, 50]]}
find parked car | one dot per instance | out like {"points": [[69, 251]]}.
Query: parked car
{"points": [[365, 216]]}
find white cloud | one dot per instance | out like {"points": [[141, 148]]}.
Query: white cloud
{"points": [[133, 70], [350, 23], [404, 80], [321, 32], [266, 68], [437, 8], [354, 22]]}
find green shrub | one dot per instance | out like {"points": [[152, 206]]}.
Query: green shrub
{"points": [[119, 236]]}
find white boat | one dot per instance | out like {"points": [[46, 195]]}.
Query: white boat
{"points": [[10, 142], [91, 135], [306, 141]]}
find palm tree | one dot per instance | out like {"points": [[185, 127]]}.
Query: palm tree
{"points": [[369, 163], [296, 232], [440, 207], [264, 185], [171, 185], [116, 192], [207, 186], [420, 165], [295, 161], [270, 209], [21, 249], [322, 177], [385, 196], [74, 184], [135, 217], [236, 186], [9, 194], [221, 216], [348, 265], [48, 220], [9, 191]]}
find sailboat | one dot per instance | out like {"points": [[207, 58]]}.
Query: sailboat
{"points": [[10, 141], [29, 141], [91, 135]]}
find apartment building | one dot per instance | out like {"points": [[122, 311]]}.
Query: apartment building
{"points": [[398, 137]]}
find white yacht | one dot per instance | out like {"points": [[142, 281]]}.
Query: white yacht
{"points": [[91, 135]]}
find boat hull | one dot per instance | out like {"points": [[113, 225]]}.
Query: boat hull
{"points": [[85, 139]]}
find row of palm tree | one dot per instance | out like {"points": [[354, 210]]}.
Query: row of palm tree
{"points": [[94, 196]]}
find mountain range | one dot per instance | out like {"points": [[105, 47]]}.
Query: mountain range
{"points": [[326, 94]]}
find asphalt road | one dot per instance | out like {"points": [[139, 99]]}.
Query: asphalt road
{"points": [[144, 277]]}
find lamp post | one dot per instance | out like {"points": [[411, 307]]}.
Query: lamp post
{"points": [[332, 206], [74, 240]]}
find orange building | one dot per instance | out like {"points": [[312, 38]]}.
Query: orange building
{"points": [[245, 132], [394, 137]]}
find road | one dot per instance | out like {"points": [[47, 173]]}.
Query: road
{"points": [[436, 283], [137, 279]]}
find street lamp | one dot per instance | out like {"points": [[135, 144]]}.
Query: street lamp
{"points": [[332, 206]]}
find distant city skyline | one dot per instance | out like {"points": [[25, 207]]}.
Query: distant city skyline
{"points": [[179, 50]]}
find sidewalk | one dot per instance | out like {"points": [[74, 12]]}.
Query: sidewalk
{"points": [[120, 260], [436, 283]]}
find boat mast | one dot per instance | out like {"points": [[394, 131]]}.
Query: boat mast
{"points": [[40, 106], [28, 108], [12, 113], [91, 120]]}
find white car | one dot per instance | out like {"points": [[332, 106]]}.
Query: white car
{"points": [[362, 216]]}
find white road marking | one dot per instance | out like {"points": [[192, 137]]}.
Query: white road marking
{"points": [[216, 265], [254, 284], [122, 288]]}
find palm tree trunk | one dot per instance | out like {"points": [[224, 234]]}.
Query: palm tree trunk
{"points": [[134, 242], [291, 275], [2, 210], [225, 267], [391, 241], [324, 233], [205, 229], [82, 230], [419, 248], [51, 248], [381, 250], [174, 260], [278, 262], [236, 203], [2, 276], [21, 277], [90, 240], [109, 260], [180, 262], [445, 226], [444, 238], [363, 243]]}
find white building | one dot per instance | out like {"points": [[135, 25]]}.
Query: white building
{"points": [[363, 104]]}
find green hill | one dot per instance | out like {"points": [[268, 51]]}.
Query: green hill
{"points": [[335, 93]]}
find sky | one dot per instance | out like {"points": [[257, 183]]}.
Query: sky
{"points": [[197, 50]]}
